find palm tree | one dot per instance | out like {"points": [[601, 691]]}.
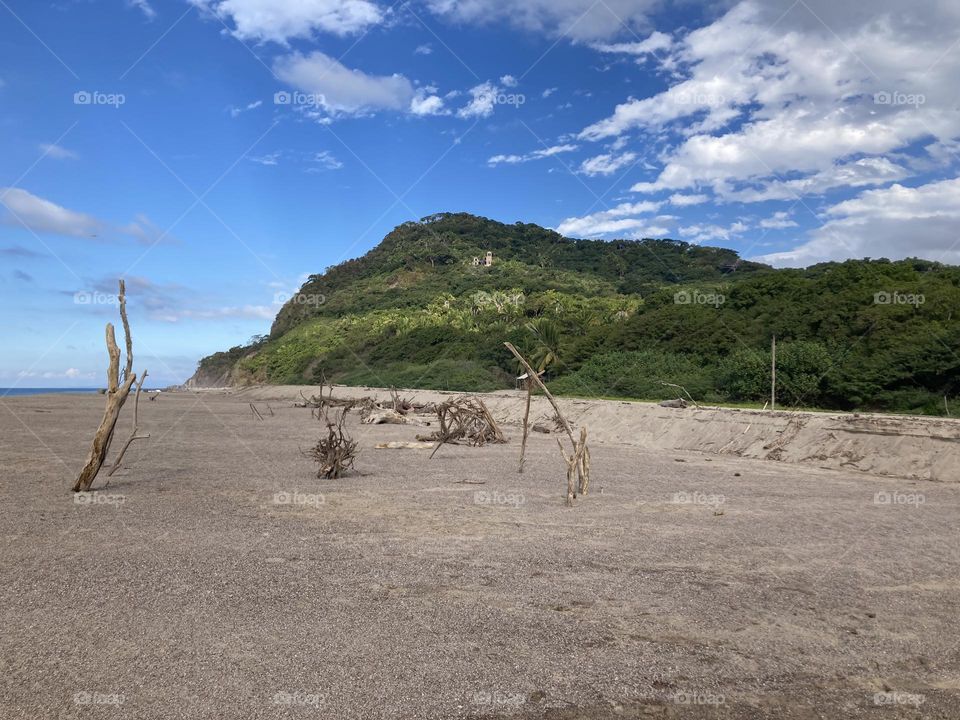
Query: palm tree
{"points": [[547, 350]]}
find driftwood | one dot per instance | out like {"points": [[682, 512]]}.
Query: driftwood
{"points": [[578, 463], [676, 403], [464, 419], [118, 388], [404, 446], [134, 434], [336, 451], [681, 387], [256, 413]]}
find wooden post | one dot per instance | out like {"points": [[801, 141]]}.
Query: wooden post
{"points": [[526, 424], [773, 374], [579, 462]]}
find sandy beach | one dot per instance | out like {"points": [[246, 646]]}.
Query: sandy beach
{"points": [[217, 577]]}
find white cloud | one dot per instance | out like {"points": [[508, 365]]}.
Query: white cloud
{"points": [[606, 164], [427, 104], [895, 222], [772, 104], [619, 219], [778, 221], [58, 153], [237, 111], [339, 89], [508, 81], [680, 200], [548, 92], [281, 20], [270, 159], [657, 41], [484, 97], [144, 7], [701, 233], [425, 49], [535, 155], [43, 216], [325, 160], [580, 20]]}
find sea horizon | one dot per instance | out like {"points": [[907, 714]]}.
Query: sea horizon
{"points": [[18, 391]]}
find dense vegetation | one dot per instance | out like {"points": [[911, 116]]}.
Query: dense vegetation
{"points": [[613, 319]]}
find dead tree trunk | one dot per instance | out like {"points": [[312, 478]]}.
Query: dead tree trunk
{"points": [[579, 461], [116, 396]]}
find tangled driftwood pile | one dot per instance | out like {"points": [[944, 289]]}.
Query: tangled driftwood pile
{"points": [[336, 451], [464, 419]]}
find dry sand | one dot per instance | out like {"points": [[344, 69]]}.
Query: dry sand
{"points": [[186, 590]]}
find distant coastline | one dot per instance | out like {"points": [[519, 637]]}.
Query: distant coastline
{"points": [[16, 392]]}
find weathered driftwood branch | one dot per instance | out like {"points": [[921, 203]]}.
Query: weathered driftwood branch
{"points": [[578, 464], [256, 413], [117, 392], [134, 434], [526, 425]]}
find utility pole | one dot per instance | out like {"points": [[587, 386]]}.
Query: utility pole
{"points": [[773, 374]]}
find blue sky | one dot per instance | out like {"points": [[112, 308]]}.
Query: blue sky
{"points": [[214, 152]]}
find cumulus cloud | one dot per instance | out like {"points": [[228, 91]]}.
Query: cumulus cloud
{"points": [[339, 89], [894, 222], [606, 164], [777, 100], [483, 99], [700, 233], [680, 200], [427, 102], [778, 221], [281, 20], [620, 219], [580, 20]]}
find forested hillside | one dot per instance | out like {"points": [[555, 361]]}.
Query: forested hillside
{"points": [[613, 319]]}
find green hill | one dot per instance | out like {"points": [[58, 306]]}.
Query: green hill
{"points": [[612, 318]]}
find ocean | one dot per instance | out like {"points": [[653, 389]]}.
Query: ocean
{"points": [[13, 392]]}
